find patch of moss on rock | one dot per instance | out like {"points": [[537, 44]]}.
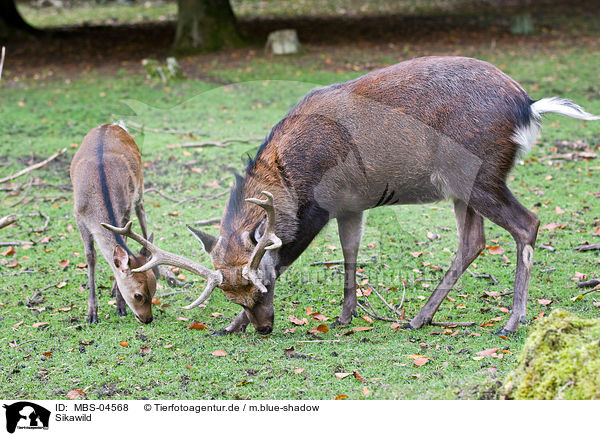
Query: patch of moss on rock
{"points": [[560, 360]]}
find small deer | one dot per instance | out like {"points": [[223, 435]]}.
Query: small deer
{"points": [[106, 173], [420, 131]]}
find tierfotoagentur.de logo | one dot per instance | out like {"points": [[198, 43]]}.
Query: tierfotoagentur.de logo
{"points": [[26, 415]]}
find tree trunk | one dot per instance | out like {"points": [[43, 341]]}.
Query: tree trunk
{"points": [[205, 25], [11, 22]]}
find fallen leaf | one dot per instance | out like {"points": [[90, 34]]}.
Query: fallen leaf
{"points": [[47, 353], [64, 263], [359, 377], [503, 309], [416, 253], [216, 314], [421, 361], [341, 375], [544, 302], [298, 370], [219, 353], [76, 394], [8, 252], [61, 285], [309, 310], [145, 350], [20, 323], [365, 390], [554, 226], [292, 330], [341, 397], [181, 318], [490, 352], [597, 232], [395, 326], [156, 301], [496, 250], [39, 324], [367, 318], [558, 210], [319, 317], [195, 325], [321, 328], [297, 321], [362, 329], [124, 344]]}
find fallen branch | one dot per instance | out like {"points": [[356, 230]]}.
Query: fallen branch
{"points": [[451, 323], [143, 128], [574, 156], [341, 262], [223, 143], [484, 276], [587, 247], [34, 167], [185, 200], [589, 283], [208, 222], [3, 244], [8, 220]]}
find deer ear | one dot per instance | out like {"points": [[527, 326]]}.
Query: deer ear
{"points": [[144, 252], [121, 258], [208, 241]]}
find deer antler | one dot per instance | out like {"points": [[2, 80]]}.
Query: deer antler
{"points": [[268, 241], [162, 257]]}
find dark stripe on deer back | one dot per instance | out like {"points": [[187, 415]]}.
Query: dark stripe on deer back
{"points": [[105, 191]]}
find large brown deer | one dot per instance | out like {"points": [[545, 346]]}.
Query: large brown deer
{"points": [[108, 185], [420, 131]]}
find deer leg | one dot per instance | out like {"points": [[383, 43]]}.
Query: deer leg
{"points": [[141, 214], [508, 213], [239, 324], [159, 271], [471, 243], [350, 231], [90, 257], [121, 304]]}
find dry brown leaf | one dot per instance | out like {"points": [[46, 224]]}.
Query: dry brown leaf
{"points": [[156, 301], [544, 302], [10, 251], [341, 375], [145, 350], [416, 253], [298, 370], [395, 326], [321, 328], [39, 324], [359, 377], [196, 325], [496, 250], [367, 318], [297, 321], [341, 397], [64, 263], [124, 344], [219, 353], [76, 394], [362, 329], [490, 352], [421, 361], [317, 316]]}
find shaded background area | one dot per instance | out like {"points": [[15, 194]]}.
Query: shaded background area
{"points": [[119, 34]]}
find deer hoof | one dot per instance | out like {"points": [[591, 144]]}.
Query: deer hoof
{"points": [[337, 323], [92, 318]]}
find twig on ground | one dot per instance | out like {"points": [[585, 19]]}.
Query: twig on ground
{"points": [[34, 166], [587, 247], [223, 143], [374, 315], [341, 262], [208, 222], [23, 194], [392, 308], [4, 244], [185, 200], [168, 294], [484, 276], [452, 323], [574, 156], [8, 220], [321, 340], [594, 289], [589, 283], [53, 285], [143, 128]]}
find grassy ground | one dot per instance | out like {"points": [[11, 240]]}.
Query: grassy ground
{"points": [[166, 359]]}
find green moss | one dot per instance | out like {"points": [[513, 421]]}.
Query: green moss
{"points": [[560, 360]]}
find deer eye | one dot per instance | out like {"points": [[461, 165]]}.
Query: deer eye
{"points": [[138, 297]]}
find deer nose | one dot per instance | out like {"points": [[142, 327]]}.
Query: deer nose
{"points": [[144, 320], [264, 330]]}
